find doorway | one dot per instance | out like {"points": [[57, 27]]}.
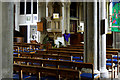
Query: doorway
{"points": [[23, 31]]}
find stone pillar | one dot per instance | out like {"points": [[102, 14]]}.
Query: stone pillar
{"points": [[95, 36], [64, 18], [99, 36], [68, 19], [6, 40], [63, 22], [17, 11], [104, 72], [91, 35], [85, 31], [41, 14]]}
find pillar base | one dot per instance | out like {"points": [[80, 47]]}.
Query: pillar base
{"points": [[97, 72], [104, 73]]}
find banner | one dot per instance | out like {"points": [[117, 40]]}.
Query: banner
{"points": [[116, 17]]}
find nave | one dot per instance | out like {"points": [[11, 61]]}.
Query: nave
{"points": [[59, 40], [31, 62]]}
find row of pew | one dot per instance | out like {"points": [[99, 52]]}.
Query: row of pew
{"points": [[63, 63]]}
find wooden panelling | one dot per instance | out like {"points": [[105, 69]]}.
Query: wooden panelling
{"points": [[39, 26]]}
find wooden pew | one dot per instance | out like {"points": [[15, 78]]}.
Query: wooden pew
{"points": [[116, 61], [59, 52], [29, 47], [67, 73], [46, 56], [76, 47], [67, 49], [16, 51], [64, 72], [22, 47], [113, 49], [67, 53], [109, 64]]}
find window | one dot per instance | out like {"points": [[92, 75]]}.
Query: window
{"points": [[35, 7], [28, 7], [22, 9], [73, 9]]}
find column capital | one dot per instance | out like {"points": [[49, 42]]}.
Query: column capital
{"points": [[41, 3], [67, 4]]}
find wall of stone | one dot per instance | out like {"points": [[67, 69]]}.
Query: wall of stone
{"points": [[6, 40]]}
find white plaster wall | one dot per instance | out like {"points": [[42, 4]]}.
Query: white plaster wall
{"points": [[22, 20]]}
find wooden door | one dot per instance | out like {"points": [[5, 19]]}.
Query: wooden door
{"points": [[23, 31]]}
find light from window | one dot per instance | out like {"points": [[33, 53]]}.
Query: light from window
{"points": [[28, 7], [22, 5], [34, 6]]}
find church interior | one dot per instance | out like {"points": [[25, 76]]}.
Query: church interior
{"points": [[60, 40]]}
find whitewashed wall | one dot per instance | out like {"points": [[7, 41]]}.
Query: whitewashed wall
{"points": [[21, 20]]}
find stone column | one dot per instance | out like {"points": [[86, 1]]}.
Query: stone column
{"points": [[41, 14], [6, 40], [64, 18], [104, 72], [95, 36], [68, 19], [85, 31], [91, 35], [99, 36], [63, 22]]}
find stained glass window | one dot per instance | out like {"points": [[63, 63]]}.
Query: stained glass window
{"points": [[116, 17]]}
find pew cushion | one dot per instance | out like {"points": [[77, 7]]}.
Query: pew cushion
{"points": [[28, 51], [15, 53], [116, 57], [20, 50], [37, 49], [51, 59], [64, 66], [34, 63], [109, 64], [50, 65], [78, 61], [33, 77], [114, 60], [76, 57], [16, 76], [88, 75]]}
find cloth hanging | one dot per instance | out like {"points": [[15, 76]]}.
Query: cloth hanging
{"points": [[67, 36]]}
